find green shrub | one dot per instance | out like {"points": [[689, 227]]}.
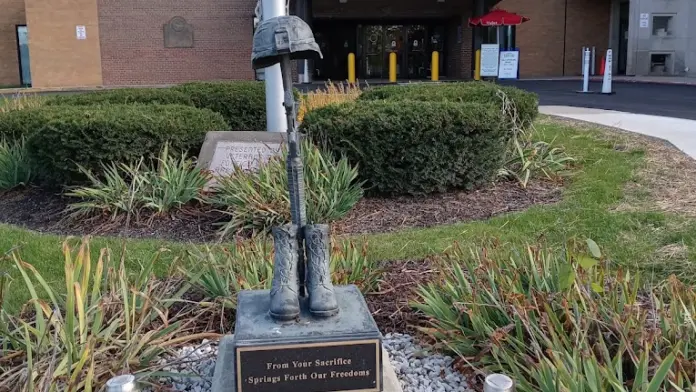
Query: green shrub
{"points": [[15, 166], [562, 320], [411, 147], [21, 123], [129, 188], [242, 103], [525, 103], [91, 135], [259, 200], [162, 96]]}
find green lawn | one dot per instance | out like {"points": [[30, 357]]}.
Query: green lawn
{"points": [[627, 238]]}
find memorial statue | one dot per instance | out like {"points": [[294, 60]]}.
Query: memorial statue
{"points": [[302, 252]]}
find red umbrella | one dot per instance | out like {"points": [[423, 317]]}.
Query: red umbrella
{"points": [[498, 17]]}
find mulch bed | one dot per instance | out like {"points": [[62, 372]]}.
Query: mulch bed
{"points": [[390, 306], [44, 211]]}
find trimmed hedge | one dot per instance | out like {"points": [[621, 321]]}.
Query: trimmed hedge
{"points": [[21, 123], [241, 103], [92, 135], [411, 147], [527, 103], [162, 96]]}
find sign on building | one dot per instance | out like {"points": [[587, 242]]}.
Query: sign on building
{"points": [[81, 32]]}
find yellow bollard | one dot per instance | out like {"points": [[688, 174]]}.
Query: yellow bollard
{"points": [[435, 67], [392, 67], [351, 67], [477, 66]]}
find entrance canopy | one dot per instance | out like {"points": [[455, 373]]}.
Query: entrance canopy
{"points": [[498, 17]]}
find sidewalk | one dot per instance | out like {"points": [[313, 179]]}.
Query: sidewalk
{"points": [[681, 133]]}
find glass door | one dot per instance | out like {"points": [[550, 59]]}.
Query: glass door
{"points": [[417, 61], [373, 52], [23, 52], [394, 35]]}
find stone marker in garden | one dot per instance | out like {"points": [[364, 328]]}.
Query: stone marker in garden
{"points": [[304, 334], [222, 151]]}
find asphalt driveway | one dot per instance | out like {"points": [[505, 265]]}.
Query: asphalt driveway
{"points": [[670, 100]]}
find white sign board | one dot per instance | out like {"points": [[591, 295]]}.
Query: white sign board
{"points": [[245, 155], [644, 21], [509, 64], [489, 59], [81, 32]]}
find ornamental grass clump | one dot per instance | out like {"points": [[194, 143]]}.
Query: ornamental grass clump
{"points": [[127, 189], [563, 321], [258, 200], [15, 166], [330, 94], [107, 320]]}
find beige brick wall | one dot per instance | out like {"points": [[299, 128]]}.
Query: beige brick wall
{"points": [[11, 15], [58, 58]]}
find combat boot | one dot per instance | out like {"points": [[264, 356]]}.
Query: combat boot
{"points": [[322, 298], [285, 288]]}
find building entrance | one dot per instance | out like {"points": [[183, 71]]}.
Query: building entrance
{"points": [[373, 43]]}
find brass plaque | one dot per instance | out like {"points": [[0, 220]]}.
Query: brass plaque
{"points": [[350, 366]]}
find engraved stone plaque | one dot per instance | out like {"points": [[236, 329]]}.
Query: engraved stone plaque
{"points": [[244, 155], [178, 33]]}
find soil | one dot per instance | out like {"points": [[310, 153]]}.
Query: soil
{"points": [[45, 212], [390, 306]]}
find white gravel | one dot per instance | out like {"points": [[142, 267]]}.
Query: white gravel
{"points": [[417, 369]]}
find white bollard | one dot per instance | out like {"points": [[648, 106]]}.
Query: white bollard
{"points": [[275, 112], [586, 72], [606, 83]]}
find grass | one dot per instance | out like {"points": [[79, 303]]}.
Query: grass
{"points": [[639, 238]]}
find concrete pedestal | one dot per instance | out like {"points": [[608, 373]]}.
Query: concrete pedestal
{"points": [[342, 353]]}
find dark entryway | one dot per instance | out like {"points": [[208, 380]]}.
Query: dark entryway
{"points": [[372, 42], [624, 15]]}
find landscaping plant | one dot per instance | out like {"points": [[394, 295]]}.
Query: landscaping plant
{"points": [[109, 322], [411, 147], [135, 95], [330, 94], [168, 184], [526, 103], [248, 265], [241, 103], [15, 167], [562, 321], [67, 137], [259, 200]]}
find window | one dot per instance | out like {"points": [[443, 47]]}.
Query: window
{"points": [[661, 63], [662, 25], [23, 53]]}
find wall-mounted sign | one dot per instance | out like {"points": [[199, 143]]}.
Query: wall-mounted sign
{"points": [[81, 32], [489, 59], [644, 21]]}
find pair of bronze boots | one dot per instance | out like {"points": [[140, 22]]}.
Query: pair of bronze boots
{"points": [[285, 289]]}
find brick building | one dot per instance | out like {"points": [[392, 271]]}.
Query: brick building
{"points": [[67, 43]]}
